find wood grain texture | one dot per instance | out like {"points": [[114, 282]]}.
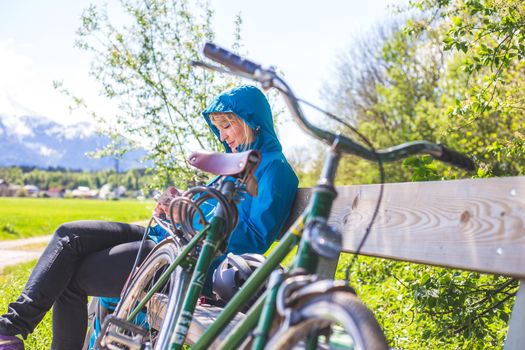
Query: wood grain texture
{"points": [[467, 224]]}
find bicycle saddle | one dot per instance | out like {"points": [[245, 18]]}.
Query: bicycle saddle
{"points": [[226, 164]]}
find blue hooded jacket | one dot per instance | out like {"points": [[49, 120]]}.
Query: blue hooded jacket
{"points": [[262, 217]]}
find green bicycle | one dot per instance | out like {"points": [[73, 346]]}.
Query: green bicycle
{"points": [[298, 309]]}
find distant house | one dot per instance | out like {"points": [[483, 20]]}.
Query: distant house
{"points": [[32, 190], [84, 192], [4, 188], [7, 190], [119, 191], [13, 190], [55, 192], [106, 192]]}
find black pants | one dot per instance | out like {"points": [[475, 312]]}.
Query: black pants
{"points": [[83, 258]]}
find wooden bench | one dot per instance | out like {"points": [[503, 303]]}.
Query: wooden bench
{"points": [[476, 225]]}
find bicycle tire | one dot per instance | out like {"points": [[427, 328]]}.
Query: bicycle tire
{"points": [[155, 263], [92, 311], [340, 314]]}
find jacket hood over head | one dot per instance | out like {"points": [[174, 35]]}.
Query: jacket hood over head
{"points": [[248, 103]]}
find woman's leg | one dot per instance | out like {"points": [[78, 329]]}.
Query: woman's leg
{"points": [[102, 273], [70, 243]]}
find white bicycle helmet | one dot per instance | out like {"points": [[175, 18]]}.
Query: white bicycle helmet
{"points": [[230, 275]]}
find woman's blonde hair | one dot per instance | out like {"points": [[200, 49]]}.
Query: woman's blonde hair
{"points": [[249, 135]]}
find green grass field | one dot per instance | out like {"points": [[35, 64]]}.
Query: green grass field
{"points": [[28, 217], [12, 281]]}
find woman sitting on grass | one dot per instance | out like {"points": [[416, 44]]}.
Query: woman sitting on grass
{"points": [[94, 258]]}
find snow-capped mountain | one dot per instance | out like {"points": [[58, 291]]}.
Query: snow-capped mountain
{"points": [[37, 141]]}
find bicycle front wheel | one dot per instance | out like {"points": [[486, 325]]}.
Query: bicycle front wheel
{"points": [[334, 320], [152, 316]]}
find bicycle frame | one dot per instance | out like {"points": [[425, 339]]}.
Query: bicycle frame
{"points": [[306, 258]]}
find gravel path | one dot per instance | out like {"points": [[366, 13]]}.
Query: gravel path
{"points": [[21, 250]]}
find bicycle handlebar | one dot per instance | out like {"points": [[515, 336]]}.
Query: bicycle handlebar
{"points": [[269, 78], [455, 158], [229, 59]]}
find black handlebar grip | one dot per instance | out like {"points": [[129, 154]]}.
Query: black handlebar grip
{"points": [[455, 158], [229, 59]]}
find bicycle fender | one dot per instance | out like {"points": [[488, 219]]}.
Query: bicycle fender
{"points": [[317, 288]]}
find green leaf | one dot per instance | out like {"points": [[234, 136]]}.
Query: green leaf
{"points": [[457, 21]]}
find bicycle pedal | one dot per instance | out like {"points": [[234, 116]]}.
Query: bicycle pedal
{"points": [[125, 335]]}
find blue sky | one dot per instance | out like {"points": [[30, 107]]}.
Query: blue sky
{"points": [[301, 38]]}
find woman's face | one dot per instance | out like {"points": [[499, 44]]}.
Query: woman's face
{"points": [[232, 130]]}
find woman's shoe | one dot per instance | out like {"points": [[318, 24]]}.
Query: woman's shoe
{"points": [[10, 342]]}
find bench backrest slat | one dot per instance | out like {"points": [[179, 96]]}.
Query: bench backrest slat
{"points": [[467, 224]]}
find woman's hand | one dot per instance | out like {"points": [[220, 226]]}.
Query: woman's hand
{"points": [[163, 203]]}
